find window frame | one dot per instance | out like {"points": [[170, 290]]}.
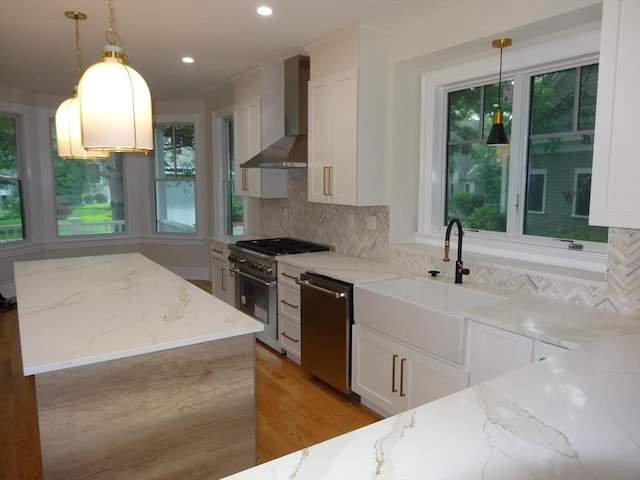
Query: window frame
{"points": [[165, 122], [18, 179], [519, 64]]}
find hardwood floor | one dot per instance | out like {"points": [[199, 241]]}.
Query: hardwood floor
{"points": [[294, 409]]}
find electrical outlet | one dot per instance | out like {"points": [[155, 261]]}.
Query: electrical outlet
{"points": [[371, 222]]}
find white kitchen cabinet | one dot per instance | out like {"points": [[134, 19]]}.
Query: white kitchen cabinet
{"points": [[615, 197], [222, 278], [247, 137], [494, 351], [543, 350], [393, 377], [333, 118], [289, 310], [348, 93]]}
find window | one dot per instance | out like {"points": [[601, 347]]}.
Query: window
{"points": [[175, 178], [561, 125], [89, 194], [520, 200], [235, 204], [477, 174], [11, 206], [536, 191]]}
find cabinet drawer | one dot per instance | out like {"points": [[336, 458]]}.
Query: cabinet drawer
{"points": [[289, 335], [288, 275], [219, 251], [289, 301]]}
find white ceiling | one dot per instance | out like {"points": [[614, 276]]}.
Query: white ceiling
{"points": [[226, 37]]}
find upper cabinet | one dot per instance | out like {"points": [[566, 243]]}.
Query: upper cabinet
{"points": [[247, 139], [615, 197], [348, 96], [258, 121]]}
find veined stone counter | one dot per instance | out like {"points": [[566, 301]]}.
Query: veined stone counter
{"points": [[139, 373], [78, 311], [572, 416]]}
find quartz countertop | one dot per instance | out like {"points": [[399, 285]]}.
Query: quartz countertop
{"points": [[573, 416], [342, 267], [78, 311]]}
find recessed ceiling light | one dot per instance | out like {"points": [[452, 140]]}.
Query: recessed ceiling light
{"points": [[188, 59], [264, 11]]}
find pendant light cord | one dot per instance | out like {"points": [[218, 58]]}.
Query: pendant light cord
{"points": [[78, 53], [500, 80], [112, 36]]}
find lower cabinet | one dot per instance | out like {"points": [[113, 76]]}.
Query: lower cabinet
{"points": [[494, 351], [394, 377], [289, 310], [222, 279]]}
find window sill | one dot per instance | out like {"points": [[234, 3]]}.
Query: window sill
{"points": [[586, 272]]}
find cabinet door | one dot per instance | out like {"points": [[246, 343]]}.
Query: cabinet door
{"points": [[544, 350], [333, 123], [424, 379], [345, 137], [221, 280], [615, 198], [247, 135], [320, 139], [494, 351], [375, 369]]}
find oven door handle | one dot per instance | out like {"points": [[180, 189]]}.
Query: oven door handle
{"points": [[307, 283], [240, 272]]}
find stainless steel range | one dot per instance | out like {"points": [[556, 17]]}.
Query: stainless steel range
{"points": [[254, 264]]}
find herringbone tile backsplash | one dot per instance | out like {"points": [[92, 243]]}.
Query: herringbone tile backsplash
{"points": [[346, 229]]}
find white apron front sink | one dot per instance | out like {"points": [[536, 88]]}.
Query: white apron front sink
{"points": [[423, 313]]}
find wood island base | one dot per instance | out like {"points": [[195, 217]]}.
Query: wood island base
{"points": [[187, 412]]}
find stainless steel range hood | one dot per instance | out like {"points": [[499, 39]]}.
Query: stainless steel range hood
{"points": [[291, 150]]}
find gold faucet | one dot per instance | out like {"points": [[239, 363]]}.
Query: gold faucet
{"points": [[460, 270]]}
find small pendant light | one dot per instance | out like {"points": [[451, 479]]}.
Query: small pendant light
{"points": [[115, 103], [68, 130], [497, 135]]}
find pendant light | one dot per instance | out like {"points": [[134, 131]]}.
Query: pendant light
{"points": [[68, 130], [497, 135], [115, 103]]}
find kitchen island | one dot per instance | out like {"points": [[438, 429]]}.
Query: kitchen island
{"points": [[574, 415], [139, 373]]}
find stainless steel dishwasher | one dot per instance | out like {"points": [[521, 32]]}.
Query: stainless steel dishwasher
{"points": [[325, 329]]}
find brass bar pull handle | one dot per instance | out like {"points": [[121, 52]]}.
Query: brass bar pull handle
{"points": [[219, 252], [290, 338], [325, 191], [244, 180], [291, 277], [288, 304], [329, 182], [222, 270], [402, 392], [393, 374]]}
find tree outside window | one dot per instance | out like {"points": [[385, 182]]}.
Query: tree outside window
{"points": [[175, 160], [11, 206], [89, 194], [560, 132]]}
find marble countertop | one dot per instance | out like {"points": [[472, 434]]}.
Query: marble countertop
{"points": [[573, 416], [77, 311], [342, 267]]}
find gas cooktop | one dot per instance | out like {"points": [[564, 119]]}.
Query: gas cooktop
{"points": [[281, 246]]}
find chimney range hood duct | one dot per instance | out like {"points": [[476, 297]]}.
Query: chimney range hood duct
{"points": [[291, 150]]}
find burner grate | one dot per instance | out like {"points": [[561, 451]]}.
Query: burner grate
{"points": [[281, 246]]}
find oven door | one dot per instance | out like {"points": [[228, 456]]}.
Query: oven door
{"points": [[255, 297]]}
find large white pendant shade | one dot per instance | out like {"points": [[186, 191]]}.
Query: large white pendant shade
{"points": [[115, 106], [69, 132]]}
